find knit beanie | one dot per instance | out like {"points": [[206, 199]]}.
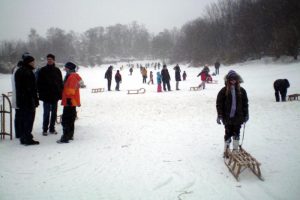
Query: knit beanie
{"points": [[28, 59], [70, 66]]}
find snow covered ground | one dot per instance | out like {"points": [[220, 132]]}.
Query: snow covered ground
{"points": [[160, 146]]}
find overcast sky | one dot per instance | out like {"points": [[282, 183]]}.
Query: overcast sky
{"points": [[18, 16]]}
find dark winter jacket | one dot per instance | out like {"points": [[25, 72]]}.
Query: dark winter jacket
{"points": [[108, 73], [26, 91], [165, 76], [50, 84], [118, 77], [281, 84], [224, 106], [217, 65], [177, 73]]}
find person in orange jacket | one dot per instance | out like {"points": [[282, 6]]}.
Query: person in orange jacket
{"points": [[70, 100]]}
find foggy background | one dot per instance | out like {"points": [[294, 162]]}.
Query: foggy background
{"points": [[17, 17], [193, 31]]}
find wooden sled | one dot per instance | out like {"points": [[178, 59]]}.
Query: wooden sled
{"points": [[138, 91], [96, 90], [237, 162], [293, 97], [195, 88]]}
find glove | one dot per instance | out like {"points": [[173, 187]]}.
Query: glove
{"points": [[246, 118], [219, 120], [69, 102]]}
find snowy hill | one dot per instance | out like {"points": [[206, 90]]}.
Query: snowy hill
{"points": [[160, 146]]}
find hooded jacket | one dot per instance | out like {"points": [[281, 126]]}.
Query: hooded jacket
{"points": [[224, 102]]}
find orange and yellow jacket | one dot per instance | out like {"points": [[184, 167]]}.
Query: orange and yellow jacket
{"points": [[71, 90]]}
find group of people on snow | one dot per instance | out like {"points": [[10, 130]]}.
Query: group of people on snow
{"points": [[49, 87]]}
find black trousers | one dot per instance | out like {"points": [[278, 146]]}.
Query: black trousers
{"points": [[282, 93], [26, 120], [68, 121], [232, 130], [166, 83], [108, 84], [18, 123]]}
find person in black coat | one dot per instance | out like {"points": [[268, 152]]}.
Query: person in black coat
{"points": [[50, 86], [108, 76], [177, 76], [280, 87], [165, 77], [232, 109], [26, 99]]}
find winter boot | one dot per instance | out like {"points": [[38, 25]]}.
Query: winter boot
{"points": [[226, 149], [235, 148]]}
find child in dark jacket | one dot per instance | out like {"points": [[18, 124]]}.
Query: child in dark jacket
{"points": [[118, 79], [232, 109]]}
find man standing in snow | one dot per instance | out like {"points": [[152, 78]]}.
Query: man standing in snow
{"points": [[165, 77], [70, 99], [177, 76], [50, 85], [232, 109], [108, 76], [281, 86], [26, 99]]}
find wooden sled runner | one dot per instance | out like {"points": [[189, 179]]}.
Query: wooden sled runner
{"points": [[241, 160], [293, 97], [138, 91], [195, 88], [96, 90]]}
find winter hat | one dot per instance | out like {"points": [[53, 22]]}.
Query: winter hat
{"points": [[28, 59], [24, 55], [51, 56], [232, 74], [70, 66]]}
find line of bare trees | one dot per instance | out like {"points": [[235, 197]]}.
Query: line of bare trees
{"points": [[236, 30], [230, 31]]}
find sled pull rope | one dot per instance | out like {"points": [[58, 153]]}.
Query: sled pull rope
{"points": [[244, 126]]}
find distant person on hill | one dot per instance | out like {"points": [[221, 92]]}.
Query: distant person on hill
{"points": [[130, 70], [232, 109], [108, 76], [165, 77], [118, 79], [70, 100], [151, 78], [177, 76], [144, 74], [184, 76], [217, 67], [280, 87], [158, 79]]}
